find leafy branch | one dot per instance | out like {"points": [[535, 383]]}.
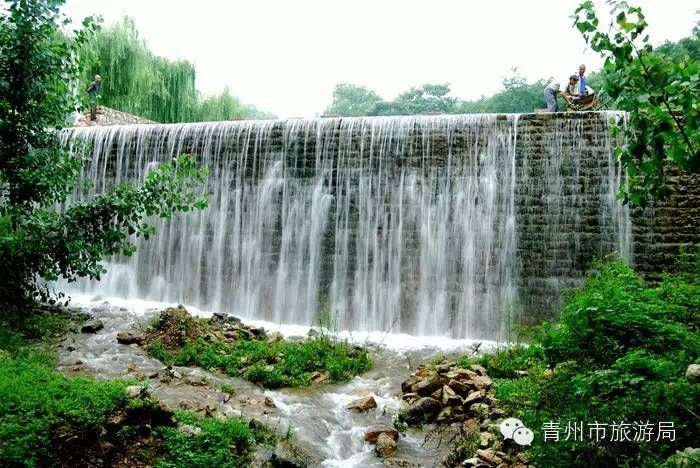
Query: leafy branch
{"points": [[659, 93]]}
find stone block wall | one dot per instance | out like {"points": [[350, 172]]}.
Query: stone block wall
{"points": [[566, 179]]}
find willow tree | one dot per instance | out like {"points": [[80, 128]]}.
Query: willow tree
{"points": [[37, 243], [137, 81]]}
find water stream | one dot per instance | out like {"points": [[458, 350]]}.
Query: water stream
{"points": [[316, 416]]}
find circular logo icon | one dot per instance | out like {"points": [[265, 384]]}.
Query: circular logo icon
{"points": [[523, 436], [509, 426]]}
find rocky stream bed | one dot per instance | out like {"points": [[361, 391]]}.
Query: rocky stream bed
{"points": [[336, 424]]}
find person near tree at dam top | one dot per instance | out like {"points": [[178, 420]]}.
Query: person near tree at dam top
{"points": [[550, 96], [93, 91], [582, 80]]}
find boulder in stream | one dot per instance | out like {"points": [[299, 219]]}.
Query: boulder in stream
{"points": [[423, 410], [128, 338], [363, 404], [92, 326], [386, 446], [373, 433], [289, 455]]}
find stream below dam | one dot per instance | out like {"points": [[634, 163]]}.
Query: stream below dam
{"points": [[316, 416]]}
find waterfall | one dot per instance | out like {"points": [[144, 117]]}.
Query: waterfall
{"points": [[405, 224]]}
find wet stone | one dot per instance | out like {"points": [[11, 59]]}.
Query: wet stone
{"points": [[92, 326]]}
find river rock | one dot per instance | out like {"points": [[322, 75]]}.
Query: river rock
{"points": [[373, 433], [693, 373], [363, 404], [386, 446], [471, 425], [480, 409], [274, 337], [428, 385], [289, 455], [446, 414], [423, 410], [92, 326], [447, 394], [319, 377], [136, 391], [187, 429], [479, 369], [444, 367], [483, 382], [220, 318], [460, 388], [485, 439], [128, 338], [489, 456], [269, 403], [258, 332], [395, 462], [473, 397], [461, 374], [408, 384], [424, 372], [230, 412]]}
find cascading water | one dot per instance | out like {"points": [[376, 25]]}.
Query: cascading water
{"points": [[409, 224]]}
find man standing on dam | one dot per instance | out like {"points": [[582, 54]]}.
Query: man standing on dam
{"points": [[93, 91]]}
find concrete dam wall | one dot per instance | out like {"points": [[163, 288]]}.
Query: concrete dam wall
{"points": [[427, 225]]}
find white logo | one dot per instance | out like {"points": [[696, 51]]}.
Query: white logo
{"points": [[513, 428]]}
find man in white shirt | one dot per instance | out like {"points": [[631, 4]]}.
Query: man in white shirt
{"points": [[550, 96]]}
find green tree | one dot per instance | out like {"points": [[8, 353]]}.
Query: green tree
{"points": [[659, 91], [429, 98], [350, 100], [517, 96], [38, 70], [688, 46], [139, 82]]}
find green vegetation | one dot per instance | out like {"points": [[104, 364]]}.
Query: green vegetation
{"points": [[618, 354], [139, 82], [49, 419], [37, 243], [178, 338], [280, 364], [35, 400], [226, 443], [660, 92]]}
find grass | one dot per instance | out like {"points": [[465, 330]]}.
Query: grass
{"points": [[35, 399], [618, 354], [178, 338], [280, 364], [224, 443], [38, 404]]}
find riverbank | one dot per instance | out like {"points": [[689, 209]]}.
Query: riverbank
{"points": [[315, 416]]}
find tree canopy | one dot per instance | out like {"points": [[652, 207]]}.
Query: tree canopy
{"points": [[38, 69], [137, 81], [659, 89]]}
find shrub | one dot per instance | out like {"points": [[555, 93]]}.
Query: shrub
{"points": [[38, 69], [225, 443], [35, 400], [618, 355], [279, 364]]}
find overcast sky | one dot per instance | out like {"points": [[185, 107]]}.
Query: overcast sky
{"points": [[286, 56]]}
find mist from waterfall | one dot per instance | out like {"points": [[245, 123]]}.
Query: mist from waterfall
{"points": [[403, 224]]}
